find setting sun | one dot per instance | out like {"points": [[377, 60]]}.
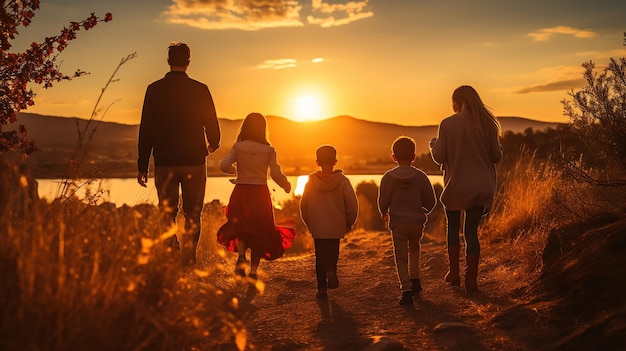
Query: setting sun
{"points": [[307, 108]]}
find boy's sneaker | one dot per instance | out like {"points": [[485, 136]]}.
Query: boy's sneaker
{"points": [[322, 293], [331, 278], [416, 285], [407, 298]]}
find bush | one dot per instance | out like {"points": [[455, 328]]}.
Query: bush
{"points": [[598, 118], [369, 217]]}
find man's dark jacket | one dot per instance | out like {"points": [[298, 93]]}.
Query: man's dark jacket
{"points": [[178, 119]]}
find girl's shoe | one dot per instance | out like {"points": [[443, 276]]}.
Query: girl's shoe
{"points": [[240, 268]]}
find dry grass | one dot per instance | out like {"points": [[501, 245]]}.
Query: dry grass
{"points": [[519, 224], [533, 200], [83, 277]]}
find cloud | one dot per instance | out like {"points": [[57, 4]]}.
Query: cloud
{"points": [[558, 78], [546, 33], [284, 63], [601, 55], [554, 86], [351, 11], [237, 14], [277, 64], [260, 14]]}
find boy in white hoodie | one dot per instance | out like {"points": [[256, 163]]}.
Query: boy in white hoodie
{"points": [[329, 208], [405, 197]]}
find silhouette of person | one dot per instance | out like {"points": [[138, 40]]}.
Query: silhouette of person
{"points": [[250, 213], [467, 148], [177, 120]]}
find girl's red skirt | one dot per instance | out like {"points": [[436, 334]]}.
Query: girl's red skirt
{"points": [[250, 217]]}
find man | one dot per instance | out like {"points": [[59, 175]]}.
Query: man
{"points": [[178, 119]]}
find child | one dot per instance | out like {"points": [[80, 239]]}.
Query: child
{"points": [[405, 197], [250, 217], [329, 208]]}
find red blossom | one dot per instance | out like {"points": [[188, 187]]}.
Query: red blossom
{"points": [[35, 65]]}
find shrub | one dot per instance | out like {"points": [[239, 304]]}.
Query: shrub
{"points": [[598, 118]]}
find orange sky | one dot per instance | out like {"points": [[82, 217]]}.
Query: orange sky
{"points": [[394, 61]]}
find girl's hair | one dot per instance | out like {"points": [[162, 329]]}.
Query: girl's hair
{"points": [[254, 127], [468, 101]]}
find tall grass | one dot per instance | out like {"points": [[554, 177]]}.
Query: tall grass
{"points": [[75, 276], [533, 200], [523, 198], [521, 219]]}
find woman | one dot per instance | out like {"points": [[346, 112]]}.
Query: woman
{"points": [[467, 148], [250, 213]]}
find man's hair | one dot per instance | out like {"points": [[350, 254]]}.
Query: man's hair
{"points": [[178, 54], [404, 148], [326, 154]]}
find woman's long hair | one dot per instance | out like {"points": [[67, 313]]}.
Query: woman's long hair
{"points": [[468, 101], [254, 127]]}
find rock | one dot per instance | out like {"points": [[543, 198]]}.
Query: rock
{"points": [[450, 325], [385, 344]]}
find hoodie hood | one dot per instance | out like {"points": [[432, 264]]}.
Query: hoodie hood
{"points": [[325, 182], [404, 177]]}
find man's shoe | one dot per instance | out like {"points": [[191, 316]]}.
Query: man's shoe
{"points": [[407, 298], [321, 294], [416, 286]]}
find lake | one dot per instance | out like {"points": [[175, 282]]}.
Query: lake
{"points": [[126, 191]]}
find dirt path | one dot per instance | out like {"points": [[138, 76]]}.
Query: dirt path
{"points": [[287, 316]]}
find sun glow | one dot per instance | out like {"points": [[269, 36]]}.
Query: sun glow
{"points": [[300, 183], [307, 108]]}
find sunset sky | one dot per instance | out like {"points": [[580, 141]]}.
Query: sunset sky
{"points": [[394, 61]]}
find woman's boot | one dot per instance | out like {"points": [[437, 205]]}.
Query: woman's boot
{"points": [[452, 276], [471, 272]]}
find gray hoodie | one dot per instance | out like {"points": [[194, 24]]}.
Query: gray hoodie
{"points": [[407, 195], [329, 206]]}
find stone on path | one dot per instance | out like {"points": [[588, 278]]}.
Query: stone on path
{"points": [[450, 325]]}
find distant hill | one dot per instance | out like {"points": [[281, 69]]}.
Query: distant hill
{"points": [[113, 149]]}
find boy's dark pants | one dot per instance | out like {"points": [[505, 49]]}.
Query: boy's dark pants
{"points": [[326, 257]]}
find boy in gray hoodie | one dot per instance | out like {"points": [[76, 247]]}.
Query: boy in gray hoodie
{"points": [[329, 208], [405, 197]]}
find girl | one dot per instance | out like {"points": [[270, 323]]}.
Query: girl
{"points": [[467, 148], [250, 217]]}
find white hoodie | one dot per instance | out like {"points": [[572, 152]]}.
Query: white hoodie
{"points": [[329, 206]]}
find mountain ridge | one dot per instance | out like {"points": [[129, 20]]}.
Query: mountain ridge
{"points": [[113, 148]]}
